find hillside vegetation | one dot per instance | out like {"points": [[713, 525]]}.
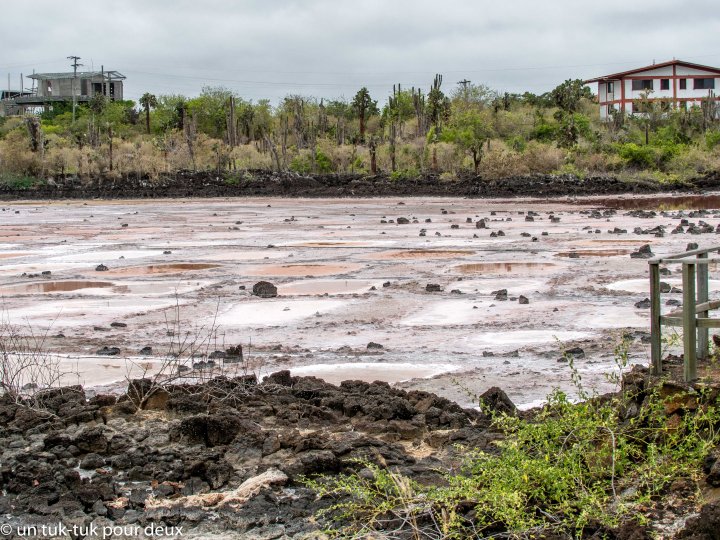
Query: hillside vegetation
{"points": [[471, 129]]}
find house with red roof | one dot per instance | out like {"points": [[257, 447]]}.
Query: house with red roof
{"points": [[675, 84]]}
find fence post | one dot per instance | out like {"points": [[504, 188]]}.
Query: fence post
{"points": [[689, 322], [655, 326], [702, 297]]}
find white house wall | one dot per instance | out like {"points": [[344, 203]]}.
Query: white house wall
{"points": [[683, 70], [665, 71], [686, 98]]}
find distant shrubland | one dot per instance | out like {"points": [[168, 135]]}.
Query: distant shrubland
{"points": [[471, 129]]}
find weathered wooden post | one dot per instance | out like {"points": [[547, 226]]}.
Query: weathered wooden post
{"points": [[655, 323], [689, 322], [702, 298]]}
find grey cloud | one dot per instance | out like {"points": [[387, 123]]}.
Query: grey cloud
{"points": [[332, 47]]}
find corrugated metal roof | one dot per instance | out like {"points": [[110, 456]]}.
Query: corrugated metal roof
{"points": [[80, 75]]}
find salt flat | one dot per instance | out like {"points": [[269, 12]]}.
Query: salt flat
{"points": [[347, 274]]}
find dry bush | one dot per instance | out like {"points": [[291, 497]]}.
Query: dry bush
{"points": [[343, 156], [10, 124], [694, 161], [139, 157], [26, 366], [247, 156], [16, 156], [598, 162], [542, 158], [177, 152], [150, 160], [187, 364], [509, 124], [60, 155], [410, 154], [449, 158], [500, 162]]}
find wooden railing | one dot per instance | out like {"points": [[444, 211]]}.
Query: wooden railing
{"points": [[692, 317]]}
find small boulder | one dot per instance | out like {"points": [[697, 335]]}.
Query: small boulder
{"points": [[501, 294], [281, 378], [495, 399], [264, 289], [644, 252]]}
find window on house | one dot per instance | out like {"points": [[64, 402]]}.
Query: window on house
{"points": [[683, 84], [664, 84], [703, 84], [610, 87], [642, 84]]}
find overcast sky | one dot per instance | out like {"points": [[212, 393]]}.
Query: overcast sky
{"points": [[330, 48]]}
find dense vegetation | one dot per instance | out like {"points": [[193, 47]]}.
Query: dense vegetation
{"points": [[570, 471], [470, 129]]}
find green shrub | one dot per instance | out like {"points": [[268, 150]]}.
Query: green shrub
{"points": [[303, 164], [18, 181], [644, 157], [544, 132], [405, 174], [517, 143], [712, 139], [572, 465], [571, 168]]}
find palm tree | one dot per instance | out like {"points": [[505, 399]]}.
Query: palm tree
{"points": [[148, 101]]}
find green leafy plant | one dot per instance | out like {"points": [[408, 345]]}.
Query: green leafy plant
{"points": [[570, 466], [19, 181]]}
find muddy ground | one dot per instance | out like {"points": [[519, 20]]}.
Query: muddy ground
{"points": [[352, 276]]}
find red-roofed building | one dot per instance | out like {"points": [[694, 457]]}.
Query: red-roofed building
{"points": [[676, 83]]}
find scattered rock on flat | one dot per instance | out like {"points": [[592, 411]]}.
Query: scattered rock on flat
{"points": [[644, 252]]}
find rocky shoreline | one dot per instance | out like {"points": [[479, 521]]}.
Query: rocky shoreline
{"points": [[262, 183], [226, 458], [223, 458]]}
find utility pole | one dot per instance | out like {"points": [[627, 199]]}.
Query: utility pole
{"points": [[464, 84], [74, 65]]}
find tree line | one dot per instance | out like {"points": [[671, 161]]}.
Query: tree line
{"points": [[467, 129]]}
